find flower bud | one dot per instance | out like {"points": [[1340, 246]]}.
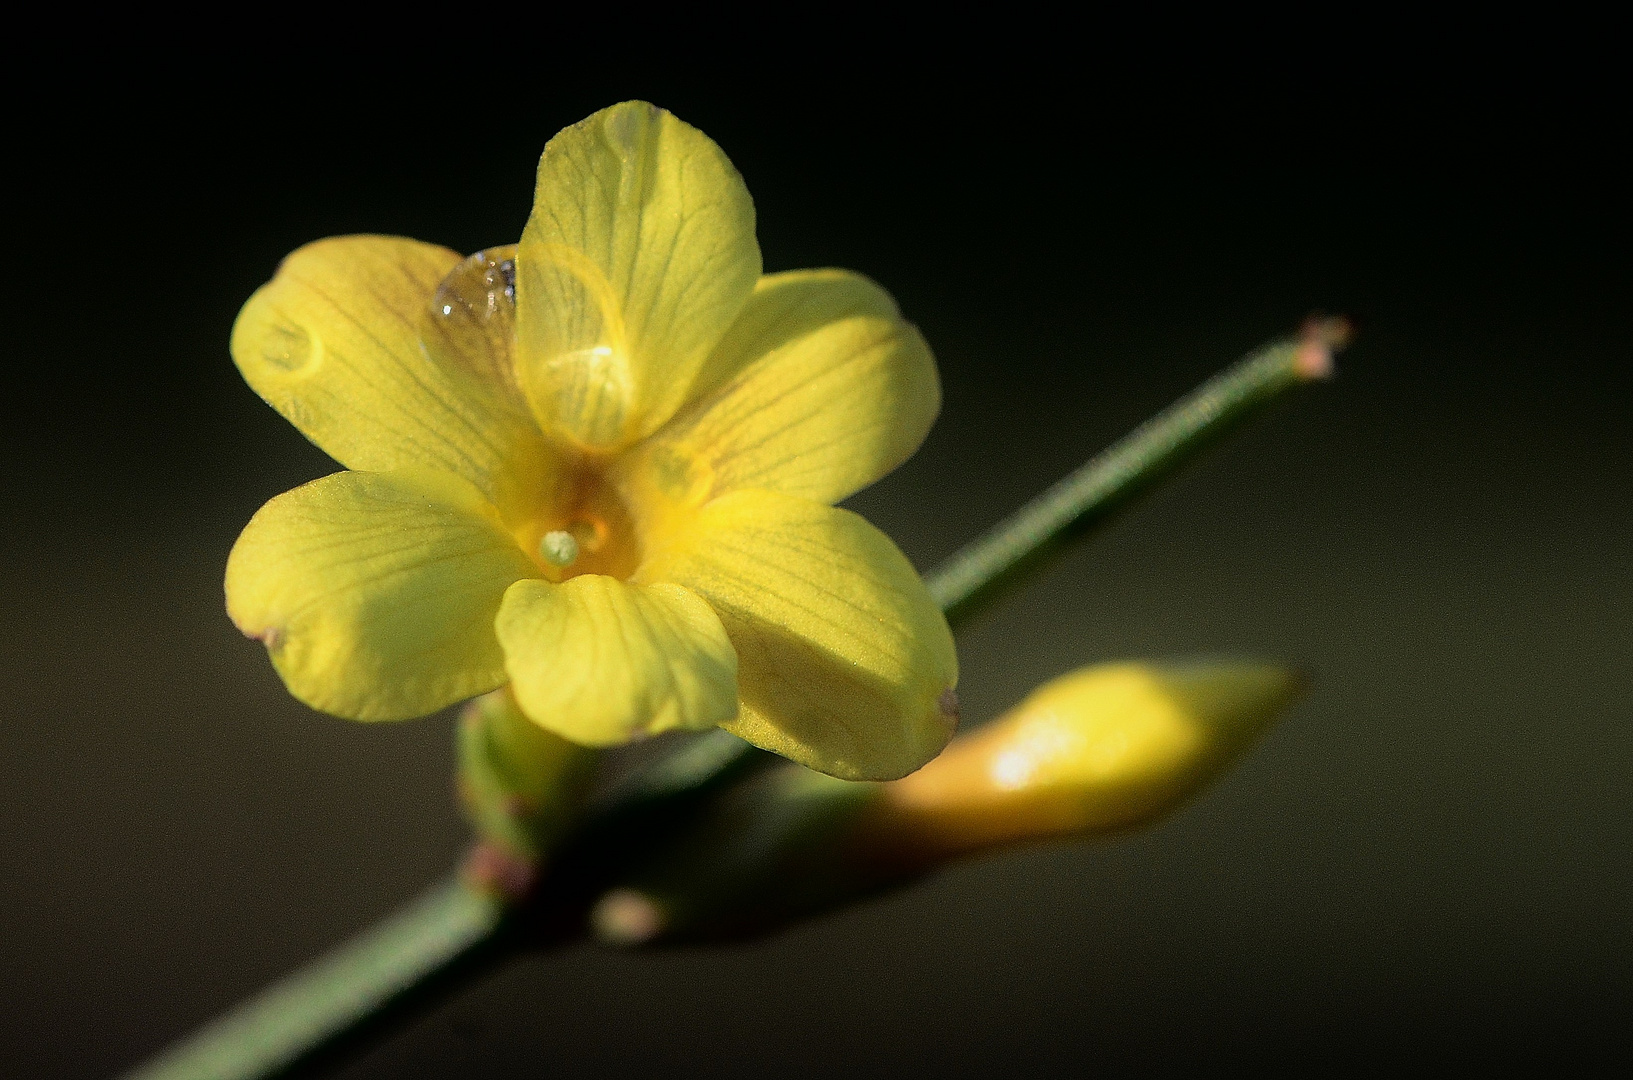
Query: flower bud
{"points": [[521, 786], [1100, 750]]}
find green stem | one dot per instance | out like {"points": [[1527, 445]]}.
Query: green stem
{"points": [[1090, 494], [381, 969], [455, 930]]}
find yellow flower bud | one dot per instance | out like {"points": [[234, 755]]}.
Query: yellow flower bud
{"points": [[1103, 749]]}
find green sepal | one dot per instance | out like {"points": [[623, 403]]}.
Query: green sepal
{"points": [[521, 787]]}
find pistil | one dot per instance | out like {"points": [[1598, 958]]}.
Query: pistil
{"points": [[559, 548]]}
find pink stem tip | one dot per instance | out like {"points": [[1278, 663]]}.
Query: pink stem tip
{"points": [[1323, 335]]}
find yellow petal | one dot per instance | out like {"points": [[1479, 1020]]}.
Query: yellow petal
{"points": [[1102, 749], [824, 389], [639, 253], [338, 343], [601, 662], [374, 593], [845, 663]]}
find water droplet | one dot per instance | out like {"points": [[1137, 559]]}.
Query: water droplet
{"points": [[471, 320], [288, 348], [678, 475], [624, 126]]}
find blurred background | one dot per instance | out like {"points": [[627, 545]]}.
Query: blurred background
{"points": [[1426, 863]]}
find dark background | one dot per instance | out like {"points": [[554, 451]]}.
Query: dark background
{"points": [[1425, 864]]}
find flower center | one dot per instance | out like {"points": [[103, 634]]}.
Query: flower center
{"points": [[559, 548], [585, 526]]}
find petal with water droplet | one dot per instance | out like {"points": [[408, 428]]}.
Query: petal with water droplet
{"points": [[638, 255], [335, 342]]}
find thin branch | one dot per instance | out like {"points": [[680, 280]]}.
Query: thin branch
{"points": [[457, 929]]}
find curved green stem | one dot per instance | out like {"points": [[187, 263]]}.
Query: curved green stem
{"points": [[293, 1020], [456, 928], [1090, 494]]}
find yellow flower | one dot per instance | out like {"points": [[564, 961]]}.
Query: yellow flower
{"points": [[599, 465]]}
